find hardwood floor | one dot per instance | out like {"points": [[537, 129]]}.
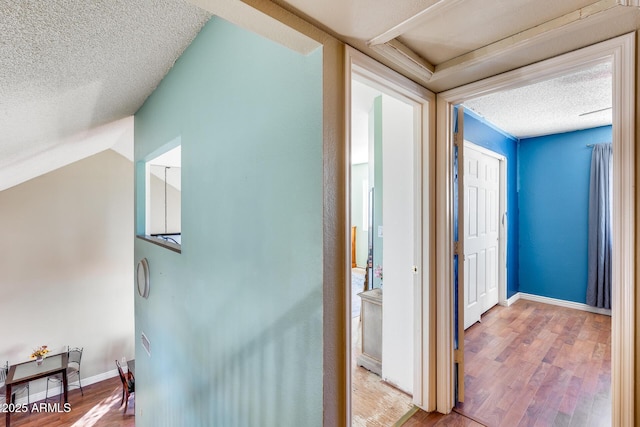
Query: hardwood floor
{"points": [[528, 364], [537, 364], [434, 419], [377, 404], [99, 407], [533, 364]]}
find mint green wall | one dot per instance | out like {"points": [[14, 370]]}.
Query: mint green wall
{"points": [[235, 320], [359, 173], [375, 177]]}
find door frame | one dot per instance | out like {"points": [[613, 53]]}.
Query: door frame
{"points": [[621, 52], [391, 82], [503, 220]]}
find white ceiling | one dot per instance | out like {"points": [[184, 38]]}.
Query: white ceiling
{"points": [[439, 40], [74, 69], [580, 100], [362, 97]]}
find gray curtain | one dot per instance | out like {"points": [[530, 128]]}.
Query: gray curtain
{"points": [[600, 196]]}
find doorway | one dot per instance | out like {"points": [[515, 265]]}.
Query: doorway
{"points": [[545, 341], [390, 208], [620, 52]]}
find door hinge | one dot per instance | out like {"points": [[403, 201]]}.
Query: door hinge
{"points": [[456, 356], [456, 248]]}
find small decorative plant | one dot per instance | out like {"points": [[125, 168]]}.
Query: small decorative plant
{"points": [[40, 352]]}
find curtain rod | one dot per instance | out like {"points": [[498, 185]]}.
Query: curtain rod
{"points": [[593, 145]]}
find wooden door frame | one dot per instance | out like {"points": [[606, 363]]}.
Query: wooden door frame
{"points": [[621, 51], [392, 82]]}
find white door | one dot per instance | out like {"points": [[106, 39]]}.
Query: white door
{"points": [[481, 232], [398, 250]]}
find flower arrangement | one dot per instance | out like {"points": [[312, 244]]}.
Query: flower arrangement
{"points": [[377, 272], [40, 352]]}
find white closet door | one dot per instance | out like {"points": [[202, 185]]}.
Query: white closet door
{"points": [[481, 233]]}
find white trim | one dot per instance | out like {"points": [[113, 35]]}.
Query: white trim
{"points": [[386, 79], [396, 85], [405, 57], [630, 3], [460, 286], [439, 8], [621, 52], [347, 356], [444, 257], [527, 39], [623, 351], [55, 391], [511, 300], [561, 303]]}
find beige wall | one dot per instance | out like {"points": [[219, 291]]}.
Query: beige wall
{"points": [[66, 263]]}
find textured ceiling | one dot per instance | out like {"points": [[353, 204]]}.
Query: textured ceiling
{"points": [[579, 100], [73, 71], [553, 106], [70, 66]]}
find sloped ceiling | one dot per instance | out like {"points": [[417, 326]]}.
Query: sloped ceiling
{"points": [[74, 70]]}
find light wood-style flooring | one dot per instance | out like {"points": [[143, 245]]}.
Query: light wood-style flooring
{"points": [[434, 419], [99, 407], [530, 364], [374, 403], [534, 364], [538, 364]]}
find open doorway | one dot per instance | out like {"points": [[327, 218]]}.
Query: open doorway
{"points": [[551, 341], [619, 52], [382, 225], [389, 128]]}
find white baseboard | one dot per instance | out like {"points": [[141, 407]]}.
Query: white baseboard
{"points": [[511, 300], [558, 302], [55, 391]]}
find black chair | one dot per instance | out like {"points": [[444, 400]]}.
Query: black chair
{"points": [[15, 390], [128, 386], [73, 368]]}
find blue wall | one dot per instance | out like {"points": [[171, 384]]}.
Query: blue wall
{"points": [[547, 201], [482, 133], [554, 198], [235, 320]]}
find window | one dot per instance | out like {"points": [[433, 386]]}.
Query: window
{"points": [[163, 201]]}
